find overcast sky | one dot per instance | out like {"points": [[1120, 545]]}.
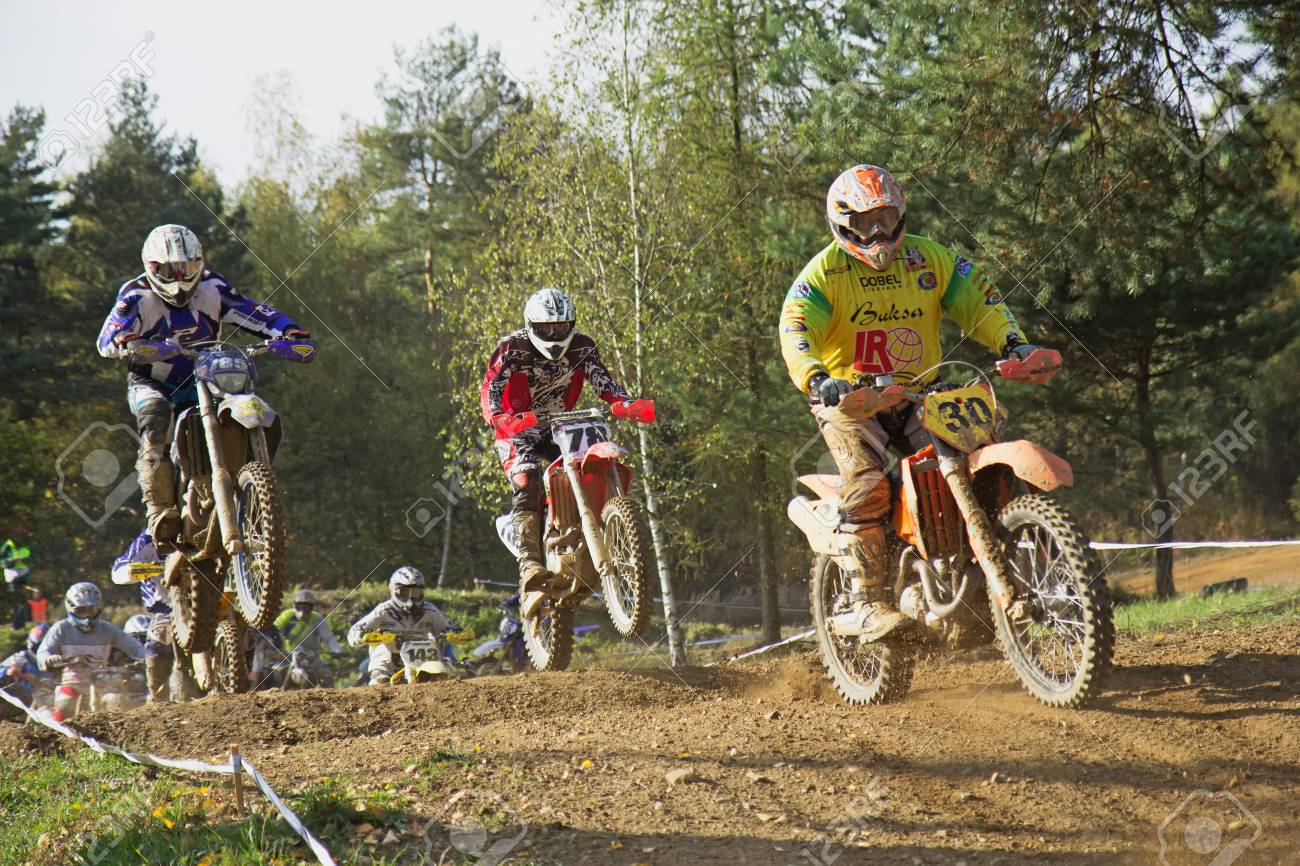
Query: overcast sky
{"points": [[205, 57]]}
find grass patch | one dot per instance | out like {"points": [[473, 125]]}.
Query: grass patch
{"points": [[1222, 610], [92, 809]]}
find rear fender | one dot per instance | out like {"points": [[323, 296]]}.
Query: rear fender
{"points": [[1030, 463]]}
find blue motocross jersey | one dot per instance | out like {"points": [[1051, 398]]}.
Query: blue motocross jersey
{"points": [[138, 312], [141, 549]]}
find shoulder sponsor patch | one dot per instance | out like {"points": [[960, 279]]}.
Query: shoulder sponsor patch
{"points": [[800, 290], [927, 280], [963, 267], [803, 346], [122, 307], [914, 258]]}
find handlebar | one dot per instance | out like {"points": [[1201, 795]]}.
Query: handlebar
{"points": [[151, 351], [641, 411]]}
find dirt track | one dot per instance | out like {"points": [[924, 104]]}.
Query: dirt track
{"points": [[781, 762]]}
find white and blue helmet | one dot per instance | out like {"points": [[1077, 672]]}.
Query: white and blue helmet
{"points": [[137, 626], [82, 601], [406, 588]]}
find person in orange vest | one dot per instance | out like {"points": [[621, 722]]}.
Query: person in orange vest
{"points": [[38, 606]]}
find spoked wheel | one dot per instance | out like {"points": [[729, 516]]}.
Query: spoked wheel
{"points": [[627, 587], [258, 570], [863, 673], [196, 605], [548, 636], [229, 661], [1061, 648]]}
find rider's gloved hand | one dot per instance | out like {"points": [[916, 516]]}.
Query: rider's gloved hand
{"points": [[151, 351], [1019, 351], [829, 391], [297, 334], [52, 662]]}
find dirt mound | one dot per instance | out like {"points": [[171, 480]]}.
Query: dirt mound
{"points": [[966, 768]]}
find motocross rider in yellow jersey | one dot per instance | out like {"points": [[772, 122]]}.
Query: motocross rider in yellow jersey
{"points": [[868, 306]]}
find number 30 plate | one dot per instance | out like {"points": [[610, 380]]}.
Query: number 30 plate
{"points": [[963, 417]]}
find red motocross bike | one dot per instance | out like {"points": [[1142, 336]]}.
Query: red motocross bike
{"points": [[594, 538]]}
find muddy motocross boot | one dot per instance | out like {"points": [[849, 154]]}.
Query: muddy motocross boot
{"points": [[158, 489], [877, 613], [533, 575]]}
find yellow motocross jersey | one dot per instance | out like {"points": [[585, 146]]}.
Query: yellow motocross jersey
{"points": [[847, 320]]}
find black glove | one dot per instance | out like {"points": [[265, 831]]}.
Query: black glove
{"points": [[829, 391], [1019, 351]]}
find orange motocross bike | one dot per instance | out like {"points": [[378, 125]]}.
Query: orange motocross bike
{"points": [[981, 550]]}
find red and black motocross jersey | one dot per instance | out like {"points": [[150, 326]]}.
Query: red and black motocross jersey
{"points": [[521, 379]]}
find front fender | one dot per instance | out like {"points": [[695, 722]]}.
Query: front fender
{"points": [[1031, 463], [248, 410]]}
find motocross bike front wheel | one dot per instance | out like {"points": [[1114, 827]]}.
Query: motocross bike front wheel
{"points": [[229, 661], [548, 636], [1061, 647], [258, 570], [626, 585], [863, 673], [196, 606]]}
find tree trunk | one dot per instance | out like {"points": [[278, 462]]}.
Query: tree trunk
{"points": [[676, 644], [446, 543], [1160, 516]]}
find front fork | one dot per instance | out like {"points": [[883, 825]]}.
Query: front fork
{"points": [[591, 529], [223, 486], [955, 468]]}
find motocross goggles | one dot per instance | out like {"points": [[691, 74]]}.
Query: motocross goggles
{"points": [[176, 271], [408, 593], [552, 332], [83, 615], [873, 225]]}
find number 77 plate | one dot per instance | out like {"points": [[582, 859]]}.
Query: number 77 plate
{"points": [[965, 418]]}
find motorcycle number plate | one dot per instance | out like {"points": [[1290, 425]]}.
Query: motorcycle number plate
{"points": [[576, 439], [417, 651], [965, 418]]}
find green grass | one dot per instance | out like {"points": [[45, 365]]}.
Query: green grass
{"points": [[101, 810], [1223, 610]]}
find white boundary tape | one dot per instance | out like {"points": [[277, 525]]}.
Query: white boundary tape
{"points": [[1166, 545], [189, 765]]}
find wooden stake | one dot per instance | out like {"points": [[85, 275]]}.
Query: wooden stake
{"points": [[237, 766]]}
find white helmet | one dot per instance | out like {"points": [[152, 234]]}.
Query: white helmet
{"points": [[82, 601], [406, 587], [173, 263], [549, 316], [137, 626]]}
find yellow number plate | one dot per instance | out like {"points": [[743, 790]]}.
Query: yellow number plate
{"points": [[965, 418]]}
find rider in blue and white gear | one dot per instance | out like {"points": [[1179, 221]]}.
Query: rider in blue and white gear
{"points": [[405, 612], [159, 653], [19, 673], [179, 301]]}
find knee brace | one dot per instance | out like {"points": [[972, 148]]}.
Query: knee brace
{"points": [[152, 418], [526, 492]]}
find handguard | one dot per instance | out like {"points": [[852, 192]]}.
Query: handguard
{"points": [[463, 636], [374, 638]]}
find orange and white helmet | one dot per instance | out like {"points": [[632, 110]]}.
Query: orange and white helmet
{"points": [[868, 214]]}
